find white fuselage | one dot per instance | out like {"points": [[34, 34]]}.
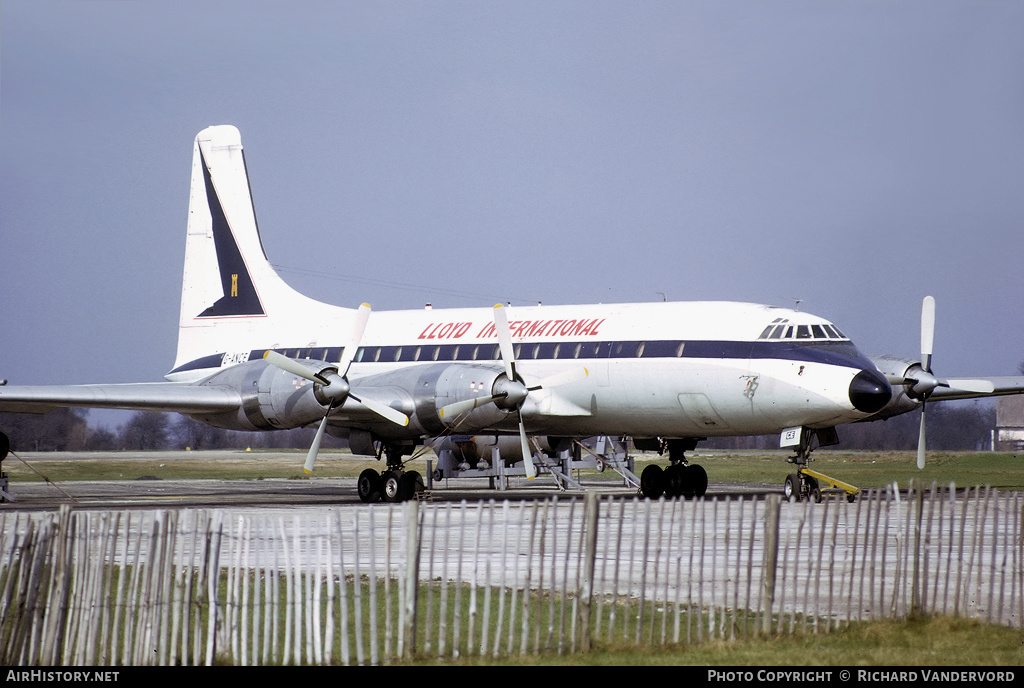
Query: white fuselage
{"points": [[678, 369]]}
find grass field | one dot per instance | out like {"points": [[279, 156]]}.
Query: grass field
{"points": [[862, 468], [920, 642]]}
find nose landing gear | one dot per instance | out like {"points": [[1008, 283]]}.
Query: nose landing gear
{"points": [[806, 483]]}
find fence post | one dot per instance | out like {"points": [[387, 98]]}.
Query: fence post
{"points": [[915, 581], [412, 577], [589, 561], [771, 557]]}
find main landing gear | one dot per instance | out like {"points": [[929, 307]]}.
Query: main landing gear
{"points": [[394, 484], [808, 484], [680, 479]]}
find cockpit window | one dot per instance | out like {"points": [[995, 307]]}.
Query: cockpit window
{"points": [[781, 329]]}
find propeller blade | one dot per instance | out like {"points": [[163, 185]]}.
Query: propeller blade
{"points": [[921, 440], [314, 448], [508, 354], [531, 470], [294, 367], [355, 337], [975, 386], [396, 417], [458, 408], [927, 332]]}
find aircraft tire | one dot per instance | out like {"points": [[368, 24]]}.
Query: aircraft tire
{"points": [[675, 481], [697, 480], [369, 486], [392, 491], [791, 489], [409, 485], [652, 482]]}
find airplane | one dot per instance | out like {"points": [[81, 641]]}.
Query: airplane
{"points": [[254, 354]]}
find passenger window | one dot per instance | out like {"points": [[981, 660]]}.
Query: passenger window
{"points": [[639, 349]]}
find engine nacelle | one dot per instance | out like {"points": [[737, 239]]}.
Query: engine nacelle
{"points": [[272, 398], [464, 382], [901, 402]]}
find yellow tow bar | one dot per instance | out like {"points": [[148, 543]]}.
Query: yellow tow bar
{"points": [[816, 480]]}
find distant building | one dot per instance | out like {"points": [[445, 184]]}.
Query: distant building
{"points": [[1009, 431]]}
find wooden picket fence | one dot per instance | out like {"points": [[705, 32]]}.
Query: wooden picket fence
{"points": [[375, 584]]}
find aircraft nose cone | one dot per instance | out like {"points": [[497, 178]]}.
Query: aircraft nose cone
{"points": [[869, 392]]}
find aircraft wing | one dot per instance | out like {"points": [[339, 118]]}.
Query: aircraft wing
{"points": [[150, 396], [1001, 386]]}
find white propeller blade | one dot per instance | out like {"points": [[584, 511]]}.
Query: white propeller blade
{"points": [[975, 386], [508, 354], [384, 410], [356, 336], [292, 366], [531, 470], [927, 332], [314, 448], [921, 444], [456, 409]]}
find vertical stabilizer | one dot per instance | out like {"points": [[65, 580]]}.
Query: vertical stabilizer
{"points": [[232, 300]]}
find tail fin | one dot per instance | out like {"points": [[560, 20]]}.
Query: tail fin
{"points": [[232, 300]]}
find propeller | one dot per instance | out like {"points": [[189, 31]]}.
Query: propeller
{"points": [[921, 383], [334, 384], [510, 392]]}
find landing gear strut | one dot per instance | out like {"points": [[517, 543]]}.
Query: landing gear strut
{"points": [[394, 484], [680, 479], [806, 483]]}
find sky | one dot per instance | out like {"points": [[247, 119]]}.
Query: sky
{"points": [[850, 156]]}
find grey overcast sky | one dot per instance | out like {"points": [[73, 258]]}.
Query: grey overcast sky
{"points": [[854, 155]]}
